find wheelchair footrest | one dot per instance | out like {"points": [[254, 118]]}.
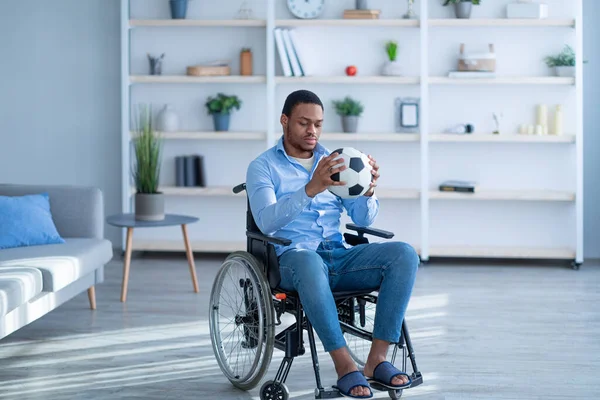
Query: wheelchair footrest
{"points": [[327, 393]]}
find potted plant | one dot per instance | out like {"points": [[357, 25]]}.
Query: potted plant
{"points": [[149, 202], [391, 66], [178, 8], [563, 63], [350, 110], [462, 8], [220, 107]]}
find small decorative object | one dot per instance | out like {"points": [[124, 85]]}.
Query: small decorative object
{"points": [[178, 8], [245, 12], [246, 62], [350, 110], [527, 9], [462, 8], [461, 129], [167, 119], [213, 68], [391, 66], [351, 70], [149, 202], [497, 118], [221, 107], [156, 64], [563, 63], [479, 62], [362, 4], [410, 13], [407, 114], [306, 9], [558, 120]]}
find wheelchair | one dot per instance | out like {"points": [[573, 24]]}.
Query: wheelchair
{"points": [[243, 339]]}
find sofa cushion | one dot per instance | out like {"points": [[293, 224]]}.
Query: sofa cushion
{"points": [[63, 263], [26, 221], [18, 285]]}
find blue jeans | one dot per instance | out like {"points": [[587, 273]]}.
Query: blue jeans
{"points": [[390, 267]]}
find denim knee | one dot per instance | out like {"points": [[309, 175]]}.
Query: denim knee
{"points": [[305, 267], [404, 257]]}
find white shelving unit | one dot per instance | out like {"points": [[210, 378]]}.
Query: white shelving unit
{"points": [[519, 221]]}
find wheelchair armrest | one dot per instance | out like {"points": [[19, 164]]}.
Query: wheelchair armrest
{"points": [[361, 230], [270, 239]]}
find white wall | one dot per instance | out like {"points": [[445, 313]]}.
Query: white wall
{"points": [[77, 45]]}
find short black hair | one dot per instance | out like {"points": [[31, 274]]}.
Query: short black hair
{"points": [[300, 97]]}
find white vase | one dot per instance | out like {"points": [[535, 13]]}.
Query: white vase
{"points": [[167, 119], [391, 68]]}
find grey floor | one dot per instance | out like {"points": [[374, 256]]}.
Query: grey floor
{"points": [[480, 331]]}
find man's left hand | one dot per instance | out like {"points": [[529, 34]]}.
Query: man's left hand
{"points": [[375, 173]]}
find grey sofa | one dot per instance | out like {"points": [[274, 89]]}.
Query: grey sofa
{"points": [[34, 280]]}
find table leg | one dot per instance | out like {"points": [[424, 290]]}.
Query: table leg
{"points": [[190, 257], [126, 264]]}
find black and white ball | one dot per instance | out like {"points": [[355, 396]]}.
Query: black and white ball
{"points": [[357, 174]]}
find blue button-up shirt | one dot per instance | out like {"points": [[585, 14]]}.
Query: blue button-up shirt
{"points": [[275, 184]]}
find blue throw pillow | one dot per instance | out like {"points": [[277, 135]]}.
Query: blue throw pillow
{"points": [[27, 221]]}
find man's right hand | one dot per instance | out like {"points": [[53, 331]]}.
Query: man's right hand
{"points": [[321, 179]]}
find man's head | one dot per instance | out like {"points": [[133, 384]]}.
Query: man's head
{"points": [[301, 120]]}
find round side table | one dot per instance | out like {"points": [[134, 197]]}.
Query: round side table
{"points": [[128, 221]]}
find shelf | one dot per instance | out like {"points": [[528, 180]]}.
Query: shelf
{"points": [[516, 195], [385, 80], [203, 246], [409, 23], [502, 138], [212, 135], [198, 22], [196, 79], [502, 252], [371, 137], [501, 22], [503, 80]]}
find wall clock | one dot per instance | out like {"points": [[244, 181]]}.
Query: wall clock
{"points": [[306, 9]]}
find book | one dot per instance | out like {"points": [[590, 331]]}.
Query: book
{"points": [[458, 186]]}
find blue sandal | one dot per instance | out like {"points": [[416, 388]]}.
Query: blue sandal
{"points": [[350, 381], [383, 375]]}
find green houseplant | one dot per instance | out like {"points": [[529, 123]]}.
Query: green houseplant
{"points": [[149, 202], [220, 107], [350, 110], [391, 66], [462, 8], [562, 63]]}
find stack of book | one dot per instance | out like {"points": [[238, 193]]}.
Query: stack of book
{"points": [[458, 186], [189, 171], [361, 14]]}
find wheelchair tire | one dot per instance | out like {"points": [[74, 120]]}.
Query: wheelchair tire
{"points": [[257, 332]]}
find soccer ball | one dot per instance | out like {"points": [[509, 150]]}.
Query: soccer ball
{"points": [[357, 174]]}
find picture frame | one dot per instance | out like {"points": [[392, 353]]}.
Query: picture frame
{"points": [[407, 114]]}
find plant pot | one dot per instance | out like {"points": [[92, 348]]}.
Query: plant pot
{"points": [[565, 71], [178, 8], [391, 68], [221, 121], [149, 206], [350, 123], [463, 9]]}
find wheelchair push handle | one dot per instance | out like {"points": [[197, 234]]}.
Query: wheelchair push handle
{"points": [[237, 189]]}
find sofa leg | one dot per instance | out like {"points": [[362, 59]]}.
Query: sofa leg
{"points": [[92, 297]]}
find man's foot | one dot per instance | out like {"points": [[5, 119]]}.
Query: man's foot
{"points": [[372, 364], [357, 391]]}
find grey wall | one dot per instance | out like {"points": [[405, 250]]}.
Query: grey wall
{"points": [[60, 95], [60, 102]]}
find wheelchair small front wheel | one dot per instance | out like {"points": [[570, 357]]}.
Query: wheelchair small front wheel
{"points": [[272, 390], [242, 331], [395, 394]]}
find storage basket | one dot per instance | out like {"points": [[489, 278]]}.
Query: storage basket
{"points": [[212, 69], [481, 62]]}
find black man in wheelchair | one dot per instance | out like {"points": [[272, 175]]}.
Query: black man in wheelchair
{"points": [[287, 191]]}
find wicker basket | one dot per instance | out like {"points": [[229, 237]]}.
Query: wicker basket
{"points": [[209, 70], [481, 62]]}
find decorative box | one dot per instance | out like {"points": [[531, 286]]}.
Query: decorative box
{"points": [[485, 62], [527, 10]]}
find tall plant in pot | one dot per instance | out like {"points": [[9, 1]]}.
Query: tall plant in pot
{"points": [[350, 110], [462, 8], [392, 65], [220, 107], [149, 202]]}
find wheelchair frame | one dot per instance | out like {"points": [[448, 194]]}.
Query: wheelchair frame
{"points": [[291, 340]]}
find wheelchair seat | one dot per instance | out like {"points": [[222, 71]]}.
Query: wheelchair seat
{"points": [[262, 303]]}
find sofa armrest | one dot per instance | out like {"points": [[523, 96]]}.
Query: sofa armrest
{"points": [[77, 211]]}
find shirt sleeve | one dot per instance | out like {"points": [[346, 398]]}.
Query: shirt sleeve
{"points": [[269, 213], [363, 210]]}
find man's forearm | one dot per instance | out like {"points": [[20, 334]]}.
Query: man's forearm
{"points": [[278, 213]]}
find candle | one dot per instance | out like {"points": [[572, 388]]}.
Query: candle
{"points": [[542, 115]]}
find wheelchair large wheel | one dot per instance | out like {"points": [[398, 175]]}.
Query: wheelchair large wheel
{"points": [[242, 329]]}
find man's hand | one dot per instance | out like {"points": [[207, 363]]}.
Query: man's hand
{"points": [[321, 179], [375, 173]]}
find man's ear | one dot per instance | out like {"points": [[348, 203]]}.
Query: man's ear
{"points": [[284, 120]]}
